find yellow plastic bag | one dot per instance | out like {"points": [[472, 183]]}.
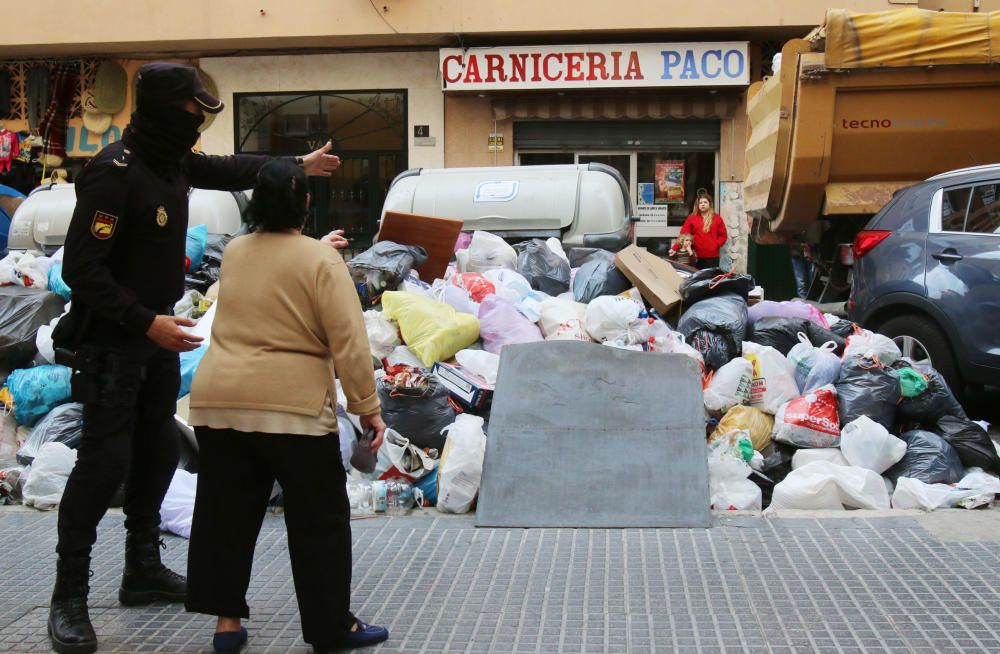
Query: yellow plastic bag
{"points": [[432, 330], [755, 421]]}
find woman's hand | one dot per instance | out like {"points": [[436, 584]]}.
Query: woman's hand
{"points": [[319, 163], [335, 239], [374, 421]]}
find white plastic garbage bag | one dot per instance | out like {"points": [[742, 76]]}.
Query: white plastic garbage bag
{"points": [[24, 269], [809, 420], [49, 474], [823, 485], [826, 454], [43, 339], [814, 366], [727, 473], [383, 335], [563, 320], [455, 297], [912, 493], [616, 319], [510, 284], [177, 508], [480, 362], [730, 385], [488, 252], [403, 355], [867, 444], [773, 377], [461, 464], [881, 347], [977, 479]]}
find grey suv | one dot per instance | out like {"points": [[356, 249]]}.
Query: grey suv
{"points": [[927, 274]]}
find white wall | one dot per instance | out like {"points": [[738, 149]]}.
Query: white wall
{"points": [[414, 71]]}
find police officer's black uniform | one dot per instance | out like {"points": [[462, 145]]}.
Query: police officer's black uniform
{"points": [[125, 263]]}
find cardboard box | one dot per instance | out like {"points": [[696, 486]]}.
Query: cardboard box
{"points": [[655, 278], [470, 390], [435, 235]]}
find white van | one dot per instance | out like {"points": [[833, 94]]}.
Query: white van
{"points": [[580, 204], [40, 223]]}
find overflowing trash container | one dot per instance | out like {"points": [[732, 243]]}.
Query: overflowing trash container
{"points": [[802, 410]]}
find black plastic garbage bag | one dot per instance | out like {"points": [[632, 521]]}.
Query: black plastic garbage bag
{"points": [[934, 403], [970, 441], [418, 414], [579, 256], [929, 458], [776, 466], [597, 276], [867, 388], [716, 327], [843, 328], [208, 273], [382, 267], [545, 270], [783, 333], [63, 424], [714, 281], [22, 312]]}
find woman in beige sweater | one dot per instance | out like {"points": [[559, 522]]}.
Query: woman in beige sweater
{"points": [[262, 403]]}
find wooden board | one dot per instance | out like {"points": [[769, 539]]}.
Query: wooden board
{"points": [[436, 235]]}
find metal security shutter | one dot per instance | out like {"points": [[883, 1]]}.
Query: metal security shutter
{"points": [[686, 135]]}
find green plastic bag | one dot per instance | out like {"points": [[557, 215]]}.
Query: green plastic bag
{"points": [[911, 382]]}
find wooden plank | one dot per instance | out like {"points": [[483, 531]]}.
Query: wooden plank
{"points": [[436, 235]]}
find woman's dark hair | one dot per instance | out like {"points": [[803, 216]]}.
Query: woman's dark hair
{"points": [[279, 198]]}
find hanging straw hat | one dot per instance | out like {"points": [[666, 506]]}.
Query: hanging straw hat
{"points": [[110, 86], [96, 121], [213, 89]]}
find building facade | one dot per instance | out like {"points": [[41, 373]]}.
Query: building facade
{"points": [[653, 89]]}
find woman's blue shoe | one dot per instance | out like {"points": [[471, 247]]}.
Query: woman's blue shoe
{"points": [[363, 636], [230, 642]]}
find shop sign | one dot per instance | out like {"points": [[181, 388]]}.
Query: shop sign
{"points": [[495, 142], [595, 66], [646, 209]]}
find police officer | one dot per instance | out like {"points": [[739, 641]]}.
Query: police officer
{"points": [[125, 261]]}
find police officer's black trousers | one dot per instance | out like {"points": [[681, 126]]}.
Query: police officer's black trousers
{"points": [[133, 441], [236, 472]]}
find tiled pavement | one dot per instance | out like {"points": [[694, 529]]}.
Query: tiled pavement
{"points": [[748, 584]]}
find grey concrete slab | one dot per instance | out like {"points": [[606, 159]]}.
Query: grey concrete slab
{"points": [[580, 437]]}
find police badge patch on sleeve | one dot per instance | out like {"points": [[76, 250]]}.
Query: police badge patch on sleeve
{"points": [[103, 226]]}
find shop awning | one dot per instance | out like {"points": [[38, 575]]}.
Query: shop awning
{"points": [[619, 107]]}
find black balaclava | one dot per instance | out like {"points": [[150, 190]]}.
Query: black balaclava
{"points": [[162, 133]]}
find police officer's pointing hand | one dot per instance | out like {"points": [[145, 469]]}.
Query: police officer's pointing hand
{"points": [[319, 163]]}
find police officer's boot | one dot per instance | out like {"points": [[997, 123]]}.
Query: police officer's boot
{"points": [[69, 620], [145, 578]]}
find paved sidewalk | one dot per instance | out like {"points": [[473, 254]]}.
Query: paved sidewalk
{"points": [[749, 584]]}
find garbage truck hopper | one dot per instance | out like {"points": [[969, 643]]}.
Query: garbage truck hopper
{"points": [[868, 104]]}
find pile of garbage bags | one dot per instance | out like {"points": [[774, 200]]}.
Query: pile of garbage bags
{"points": [[814, 412], [803, 410]]}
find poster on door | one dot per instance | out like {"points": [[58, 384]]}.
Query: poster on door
{"points": [[669, 182]]}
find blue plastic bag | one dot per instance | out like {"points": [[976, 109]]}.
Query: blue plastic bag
{"points": [[56, 283], [38, 390], [189, 365], [197, 237], [428, 485]]}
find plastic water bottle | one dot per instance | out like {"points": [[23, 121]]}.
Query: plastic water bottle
{"points": [[361, 496], [398, 497]]}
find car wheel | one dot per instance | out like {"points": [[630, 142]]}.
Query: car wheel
{"points": [[923, 341]]}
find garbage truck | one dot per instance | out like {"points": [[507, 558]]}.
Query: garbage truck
{"points": [[865, 105]]}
